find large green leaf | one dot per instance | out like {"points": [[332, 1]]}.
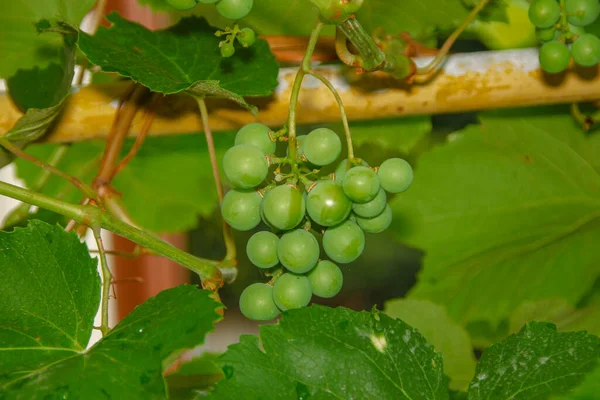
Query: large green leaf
{"points": [[125, 364], [21, 46], [588, 390], [183, 57], [49, 296], [446, 336], [535, 363], [165, 187], [194, 377], [507, 212], [325, 353]]}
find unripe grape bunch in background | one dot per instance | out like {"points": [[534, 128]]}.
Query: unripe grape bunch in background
{"points": [[300, 202], [562, 23]]}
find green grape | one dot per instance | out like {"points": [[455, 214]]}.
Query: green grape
{"points": [[208, 1], [546, 34], [257, 135], [361, 184], [326, 279], [554, 57], [292, 291], [227, 49], [586, 50], [327, 204], [284, 207], [376, 224], [234, 9], [246, 37], [373, 208], [544, 13], [298, 251], [344, 243], [241, 209], [262, 249], [582, 12], [395, 175], [322, 146], [256, 302], [342, 168], [245, 166], [182, 5]]}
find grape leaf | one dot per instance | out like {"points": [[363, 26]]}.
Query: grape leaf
{"points": [[165, 187], [535, 363], [327, 353], [183, 57], [446, 336], [49, 295], [21, 46], [588, 390], [507, 204], [194, 377], [126, 363]]}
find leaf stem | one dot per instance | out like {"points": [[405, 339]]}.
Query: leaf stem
{"points": [[83, 187], [445, 49], [106, 282], [231, 251], [94, 217], [338, 99]]}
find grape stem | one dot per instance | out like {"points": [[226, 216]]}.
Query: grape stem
{"points": [[427, 71], [212, 277], [231, 251], [106, 281]]}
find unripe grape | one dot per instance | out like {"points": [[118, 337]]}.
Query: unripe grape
{"points": [[182, 5], [262, 249], [284, 207], [257, 303], [298, 251], [292, 291], [373, 208], [544, 13], [247, 37], [395, 175], [376, 224], [326, 279], [554, 57], [257, 135], [234, 9], [227, 49], [322, 146], [361, 184], [344, 243], [327, 204], [241, 209], [582, 12], [586, 50], [340, 170], [245, 166]]}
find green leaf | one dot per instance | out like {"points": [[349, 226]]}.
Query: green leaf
{"points": [[535, 363], [512, 203], [446, 336], [21, 46], [194, 377], [588, 390], [127, 363], [177, 165], [185, 56], [328, 353], [49, 296]]}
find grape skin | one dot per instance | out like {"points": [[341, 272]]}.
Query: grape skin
{"points": [[376, 224], [544, 13], [245, 166], [298, 251], [241, 209], [395, 175], [344, 243], [327, 204], [292, 291], [262, 249], [257, 135], [583, 12], [257, 303], [361, 184], [322, 146], [586, 50], [326, 279], [284, 207], [234, 9], [373, 208], [554, 57]]}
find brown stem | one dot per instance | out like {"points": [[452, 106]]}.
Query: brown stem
{"points": [[139, 140], [116, 138], [227, 236]]}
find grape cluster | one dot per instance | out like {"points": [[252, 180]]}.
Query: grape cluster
{"points": [[338, 208], [559, 26]]}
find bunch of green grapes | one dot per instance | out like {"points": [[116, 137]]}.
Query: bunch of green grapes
{"points": [[230, 9], [336, 208], [558, 26]]}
